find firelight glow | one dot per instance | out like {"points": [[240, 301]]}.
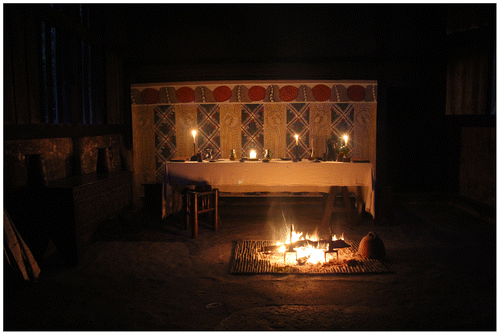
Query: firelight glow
{"points": [[345, 139], [194, 136], [296, 139], [253, 154], [313, 255]]}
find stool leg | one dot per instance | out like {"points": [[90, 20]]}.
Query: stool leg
{"points": [[216, 210], [194, 216], [187, 211]]}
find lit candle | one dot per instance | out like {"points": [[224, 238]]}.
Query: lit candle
{"points": [[345, 140], [296, 139], [253, 154], [194, 136]]}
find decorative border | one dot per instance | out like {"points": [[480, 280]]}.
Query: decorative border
{"points": [[256, 93]]}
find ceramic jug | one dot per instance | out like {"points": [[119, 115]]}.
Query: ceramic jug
{"points": [[371, 246], [331, 149]]}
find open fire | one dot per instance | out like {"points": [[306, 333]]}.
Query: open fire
{"points": [[293, 251], [301, 248]]}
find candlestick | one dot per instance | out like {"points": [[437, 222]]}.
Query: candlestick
{"points": [[296, 158], [194, 142]]}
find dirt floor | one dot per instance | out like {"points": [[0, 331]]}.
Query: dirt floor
{"points": [[140, 275]]}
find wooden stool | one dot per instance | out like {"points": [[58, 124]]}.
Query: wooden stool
{"points": [[198, 202], [330, 205]]}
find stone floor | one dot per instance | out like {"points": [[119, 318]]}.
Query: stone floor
{"points": [[139, 275]]}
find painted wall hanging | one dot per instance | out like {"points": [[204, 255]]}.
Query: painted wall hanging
{"points": [[255, 115]]}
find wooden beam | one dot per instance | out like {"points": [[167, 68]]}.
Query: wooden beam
{"points": [[33, 45], [35, 131], [20, 80]]}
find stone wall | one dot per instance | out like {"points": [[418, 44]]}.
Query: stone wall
{"points": [[59, 155]]}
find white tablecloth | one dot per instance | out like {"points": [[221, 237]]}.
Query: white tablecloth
{"points": [[276, 176]]}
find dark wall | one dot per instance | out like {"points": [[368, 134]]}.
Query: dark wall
{"points": [[402, 47], [405, 48], [425, 57], [69, 145]]}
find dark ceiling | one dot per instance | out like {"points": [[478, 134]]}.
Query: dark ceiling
{"points": [[188, 33]]}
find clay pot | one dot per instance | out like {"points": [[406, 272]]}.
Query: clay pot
{"points": [[371, 246]]}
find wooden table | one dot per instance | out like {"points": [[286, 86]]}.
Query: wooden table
{"points": [[279, 176]]}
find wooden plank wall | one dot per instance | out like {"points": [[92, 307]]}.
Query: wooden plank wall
{"points": [[68, 148], [22, 77]]}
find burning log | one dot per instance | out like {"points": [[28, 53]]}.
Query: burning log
{"points": [[338, 244]]}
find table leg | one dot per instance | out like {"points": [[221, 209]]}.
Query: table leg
{"points": [[329, 205], [347, 202], [359, 200]]}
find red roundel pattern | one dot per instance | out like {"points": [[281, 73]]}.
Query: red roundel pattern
{"points": [[222, 93], [185, 94], [150, 96], [321, 92], [257, 93], [356, 92], [288, 93]]}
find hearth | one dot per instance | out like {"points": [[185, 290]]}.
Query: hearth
{"points": [[304, 253]]}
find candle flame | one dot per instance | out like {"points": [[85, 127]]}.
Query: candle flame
{"points": [[345, 139], [253, 154], [194, 133]]}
